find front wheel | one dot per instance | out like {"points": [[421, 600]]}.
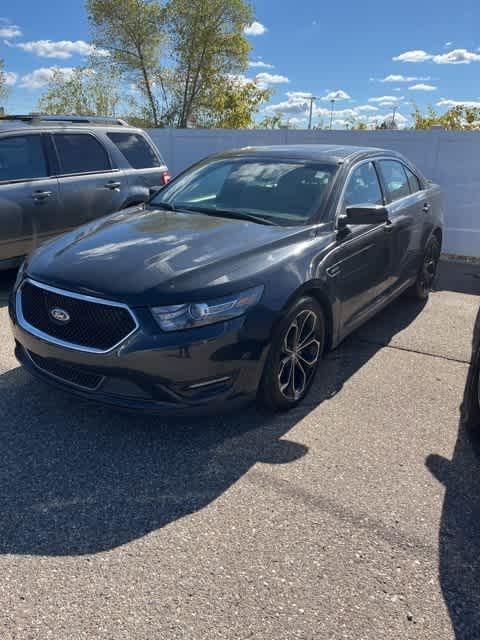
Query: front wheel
{"points": [[426, 276], [295, 353], [470, 410]]}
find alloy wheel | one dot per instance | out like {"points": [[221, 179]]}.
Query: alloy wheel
{"points": [[299, 356], [429, 267]]}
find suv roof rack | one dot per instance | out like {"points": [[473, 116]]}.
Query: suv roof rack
{"points": [[34, 118]]}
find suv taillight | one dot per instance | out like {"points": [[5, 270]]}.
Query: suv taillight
{"points": [[166, 177]]}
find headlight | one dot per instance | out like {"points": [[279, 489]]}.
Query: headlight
{"points": [[198, 314]]}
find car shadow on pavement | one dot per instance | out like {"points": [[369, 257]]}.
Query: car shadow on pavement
{"points": [[459, 534], [76, 478]]}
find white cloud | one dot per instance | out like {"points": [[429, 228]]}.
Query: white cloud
{"points": [[399, 78], [297, 103], [10, 78], [444, 102], [457, 56], [255, 29], [266, 79], [294, 95], [417, 55], [259, 64], [388, 99], [341, 113], [39, 78], [448, 44], [62, 49], [336, 95], [422, 87], [9, 30], [366, 108]]}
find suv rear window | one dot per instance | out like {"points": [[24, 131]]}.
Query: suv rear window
{"points": [[22, 158], [81, 153], [135, 150]]}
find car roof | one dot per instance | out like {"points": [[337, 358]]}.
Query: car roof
{"points": [[327, 153]]}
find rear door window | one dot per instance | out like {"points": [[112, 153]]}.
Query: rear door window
{"points": [[22, 158], [395, 179], [81, 153], [136, 150]]}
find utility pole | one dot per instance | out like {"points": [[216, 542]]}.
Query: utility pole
{"points": [[393, 115], [332, 107], [311, 98]]}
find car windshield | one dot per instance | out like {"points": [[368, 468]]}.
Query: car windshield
{"points": [[283, 192]]}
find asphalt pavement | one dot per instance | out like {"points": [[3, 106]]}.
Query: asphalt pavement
{"points": [[356, 516]]}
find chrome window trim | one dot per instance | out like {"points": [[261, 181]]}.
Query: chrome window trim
{"points": [[68, 294], [60, 379]]}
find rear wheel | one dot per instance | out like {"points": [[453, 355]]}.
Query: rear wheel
{"points": [[294, 357], [426, 276]]}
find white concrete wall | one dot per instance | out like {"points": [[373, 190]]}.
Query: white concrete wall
{"points": [[452, 159]]}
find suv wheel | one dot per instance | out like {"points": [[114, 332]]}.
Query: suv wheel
{"points": [[295, 353]]}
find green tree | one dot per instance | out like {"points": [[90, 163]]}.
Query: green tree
{"points": [[460, 117], [85, 92], [271, 122], [233, 104], [207, 43], [132, 32]]}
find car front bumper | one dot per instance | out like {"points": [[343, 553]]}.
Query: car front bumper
{"points": [[200, 371]]}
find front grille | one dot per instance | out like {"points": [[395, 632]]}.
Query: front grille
{"points": [[92, 325], [66, 373]]}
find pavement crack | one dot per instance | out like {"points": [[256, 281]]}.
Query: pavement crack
{"points": [[421, 353]]}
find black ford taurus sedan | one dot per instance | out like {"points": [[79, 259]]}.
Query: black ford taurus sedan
{"points": [[232, 282]]}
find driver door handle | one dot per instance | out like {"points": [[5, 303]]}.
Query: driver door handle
{"points": [[426, 207], [113, 185], [41, 195]]}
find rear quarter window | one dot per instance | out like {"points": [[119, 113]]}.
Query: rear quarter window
{"points": [[136, 150]]}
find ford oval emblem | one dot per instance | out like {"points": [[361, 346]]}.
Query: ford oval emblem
{"points": [[60, 315]]}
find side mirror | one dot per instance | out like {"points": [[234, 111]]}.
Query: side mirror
{"points": [[363, 214]]}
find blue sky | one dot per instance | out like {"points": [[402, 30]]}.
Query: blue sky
{"points": [[345, 50]]}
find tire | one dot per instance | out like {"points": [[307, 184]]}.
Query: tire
{"points": [[471, 403], [426, 276], [290, 368]]}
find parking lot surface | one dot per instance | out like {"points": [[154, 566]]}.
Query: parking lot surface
{"points": [[355, 516]]}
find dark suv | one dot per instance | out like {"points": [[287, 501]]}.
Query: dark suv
{"points": [[58, 172]]}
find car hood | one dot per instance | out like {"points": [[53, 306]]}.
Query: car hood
{"points": [[145, 256]]}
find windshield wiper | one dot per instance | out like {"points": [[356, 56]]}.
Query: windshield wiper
{"points": [[228, 213]]}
